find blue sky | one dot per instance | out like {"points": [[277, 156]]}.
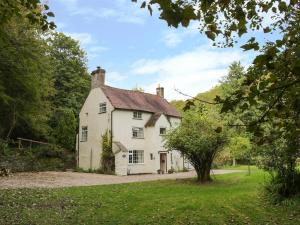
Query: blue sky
{"points": [[139, 50]]}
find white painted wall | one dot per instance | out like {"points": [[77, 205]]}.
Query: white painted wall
{"points": [[89, 151]]}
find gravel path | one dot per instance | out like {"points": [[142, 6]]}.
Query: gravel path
{"points": [[70, 179]]}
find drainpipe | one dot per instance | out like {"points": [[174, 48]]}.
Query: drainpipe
{"points": [[111, 128], [78, 141]]}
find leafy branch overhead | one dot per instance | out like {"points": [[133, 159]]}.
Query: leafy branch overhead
{"points": [[35, 11], [224, 18]]}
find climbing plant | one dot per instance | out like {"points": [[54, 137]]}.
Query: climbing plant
{"points": [[107, 155]]}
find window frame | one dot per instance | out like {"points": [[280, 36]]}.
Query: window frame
{"points": [[137, 115], [84, 133], [140, 129], [162, 134], [133, 156], [102, 106]]}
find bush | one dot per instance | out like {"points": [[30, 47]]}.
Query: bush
{"points": [[42, 158], [107, 156], [281, 187]]}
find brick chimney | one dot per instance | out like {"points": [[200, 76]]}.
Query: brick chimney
{"points": [[98, 78], [160, 91]]}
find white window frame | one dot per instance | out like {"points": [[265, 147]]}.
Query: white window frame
{"points": [[139, 132], [102, 107], [135, 157], [84, 133], [162, 134], [137, 115]]}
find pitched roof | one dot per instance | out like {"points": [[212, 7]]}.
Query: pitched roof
{"points": [[135, 100], [152, 120]]}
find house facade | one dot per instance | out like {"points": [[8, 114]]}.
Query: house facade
{"points": [[136, 123]]}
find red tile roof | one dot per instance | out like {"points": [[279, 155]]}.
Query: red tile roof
{"points": [[135, 100]]}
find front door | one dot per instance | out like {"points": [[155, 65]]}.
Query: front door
{"points": [[163, 162]]}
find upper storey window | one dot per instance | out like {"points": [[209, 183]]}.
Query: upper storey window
{"points": [[137, 115], [162, 131], [137, 132], [102, 107]]}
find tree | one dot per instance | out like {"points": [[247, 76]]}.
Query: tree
{"points": [[199, 138], [63, 124], [25, 80], [72, 85], [178, 105], [71, 79]]}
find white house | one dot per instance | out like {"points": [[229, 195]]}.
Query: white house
{"points": [[136, 122]]}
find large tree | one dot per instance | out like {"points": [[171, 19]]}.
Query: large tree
{"points": [[25, 80], [199, 138], [71, 83], [71, 79]]}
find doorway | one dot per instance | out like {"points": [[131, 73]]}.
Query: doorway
{"points": [[163, 162]]}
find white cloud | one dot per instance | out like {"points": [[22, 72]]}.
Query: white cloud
{"points": [[191, 72], [95, 51], [114, 77], [83, 38], [120, 12], [172, 37], [90, 45]]}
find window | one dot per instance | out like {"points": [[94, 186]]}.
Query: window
{"points": [[162, 131], [102, 107], [137, 132], [151, 156], [84, 133], [136, 157], [137, 115]]}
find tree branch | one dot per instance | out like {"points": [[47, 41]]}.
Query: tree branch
{"points": [[195, 98]]}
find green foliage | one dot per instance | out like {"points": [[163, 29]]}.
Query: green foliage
{"points": [[33, 10], [71, 80], [39, 158], [199, 138], [64, 125], [25, 81], [107, 156], [240, 148], [178, 105]]}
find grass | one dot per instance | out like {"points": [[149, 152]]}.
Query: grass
{"points": [[230, 199]]}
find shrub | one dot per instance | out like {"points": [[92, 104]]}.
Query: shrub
{"points": [[42, 158], [107, 156]]}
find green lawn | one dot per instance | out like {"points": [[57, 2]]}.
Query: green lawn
{"points": [[230, 199]]}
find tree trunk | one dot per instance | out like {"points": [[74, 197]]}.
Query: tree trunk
{"points": [[13, 123], [233, 162], [203, 174]]}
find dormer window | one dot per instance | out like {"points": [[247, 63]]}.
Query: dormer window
{"points": [[102, 107], [137, 115]]}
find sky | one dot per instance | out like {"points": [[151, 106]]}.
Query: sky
{"points": [[137, 49]]}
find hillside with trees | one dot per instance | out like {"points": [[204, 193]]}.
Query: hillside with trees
{"points": [[43, 83]]}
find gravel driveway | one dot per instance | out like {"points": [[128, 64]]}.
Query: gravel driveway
{"points": [[70, 179]]}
